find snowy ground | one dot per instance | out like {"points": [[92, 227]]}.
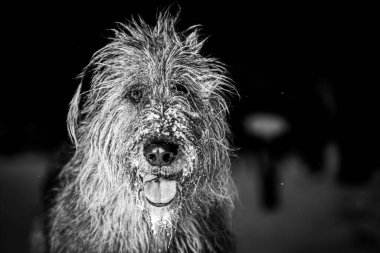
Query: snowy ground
{"points": [[20, 181], [315, 214]]}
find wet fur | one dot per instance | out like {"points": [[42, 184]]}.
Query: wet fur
{"points": [[96, 207]]}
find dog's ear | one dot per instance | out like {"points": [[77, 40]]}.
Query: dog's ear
{"points": [[76, 113]]}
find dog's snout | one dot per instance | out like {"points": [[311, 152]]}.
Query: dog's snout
{"points": [[160, 153]]}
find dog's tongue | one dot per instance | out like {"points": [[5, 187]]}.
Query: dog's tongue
{"points": [[160, 191]]}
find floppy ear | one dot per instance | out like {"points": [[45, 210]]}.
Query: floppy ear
{"points": [[76, 114]]}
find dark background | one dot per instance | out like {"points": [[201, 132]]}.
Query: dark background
{"points": [[317, 68]]}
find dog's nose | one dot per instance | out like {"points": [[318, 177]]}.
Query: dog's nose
{"points": [[160, 153]]}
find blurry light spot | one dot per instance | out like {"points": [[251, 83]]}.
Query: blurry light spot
{"points": [[266, 125]]}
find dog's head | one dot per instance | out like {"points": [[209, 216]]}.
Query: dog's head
{"points": [[151, 129]]}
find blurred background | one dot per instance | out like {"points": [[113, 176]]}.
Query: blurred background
{"points": [[306, 126]]}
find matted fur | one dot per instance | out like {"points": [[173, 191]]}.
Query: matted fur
{"points": [[97, 207]]}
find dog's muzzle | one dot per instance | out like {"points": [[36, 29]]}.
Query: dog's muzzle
{"points": [[160, 189]]}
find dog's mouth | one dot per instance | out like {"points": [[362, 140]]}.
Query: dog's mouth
{"points": [[159, 191]]}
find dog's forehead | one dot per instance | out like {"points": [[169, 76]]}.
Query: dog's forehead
{"points": [[160, 62], [161, 75]]}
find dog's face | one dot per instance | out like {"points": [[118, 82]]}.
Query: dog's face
{"points": [[152, 127], [163, 147]]}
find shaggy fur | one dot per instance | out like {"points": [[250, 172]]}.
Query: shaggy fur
{"points": [[148, 82]]}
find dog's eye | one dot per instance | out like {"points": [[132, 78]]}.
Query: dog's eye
{"points": [[182, 89], [135, 95]]}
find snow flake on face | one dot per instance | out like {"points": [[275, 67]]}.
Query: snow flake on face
{"points": [[161, 219], [191, 156], [152, 116], [175, 125]]}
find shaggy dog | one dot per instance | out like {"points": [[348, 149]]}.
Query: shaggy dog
{"points": [[151, 168]]}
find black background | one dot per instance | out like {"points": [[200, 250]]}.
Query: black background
{"points": [[47, 46]]}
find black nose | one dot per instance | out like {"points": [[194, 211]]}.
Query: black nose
{"points": [[160, 153]]}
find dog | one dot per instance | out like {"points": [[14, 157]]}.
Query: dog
{"points": [[151, 167]]}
